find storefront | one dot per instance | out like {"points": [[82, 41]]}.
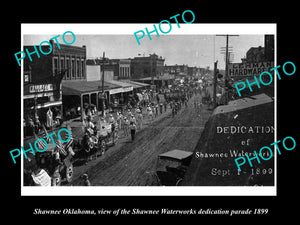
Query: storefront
{"points": [[159, 82], [137, 86], [42, 106], [119, 96], [80, 95]]}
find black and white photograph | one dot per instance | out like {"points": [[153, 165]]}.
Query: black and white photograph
{"points": [[140, 111], [102, 110]]}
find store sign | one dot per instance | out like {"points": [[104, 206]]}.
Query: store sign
{"points": [[27, 75], [115, 91], [40, 88], [127, 89], [120, 90], [241, 70]]}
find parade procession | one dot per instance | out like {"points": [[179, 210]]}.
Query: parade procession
{"points": [[141, 119]]}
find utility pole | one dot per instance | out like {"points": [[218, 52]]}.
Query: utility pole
{"points": [[103, 73], [215, 84], [102, 81], [226, 67]]}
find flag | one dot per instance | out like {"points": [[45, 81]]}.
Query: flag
{"points": [[41, 145], [61, 148]]}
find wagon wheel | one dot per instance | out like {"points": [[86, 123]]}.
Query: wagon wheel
{"points": [[90, 146], [155, 181], [102, 147], [178, 182], [69, 173], [116, 136], [56, 180]]}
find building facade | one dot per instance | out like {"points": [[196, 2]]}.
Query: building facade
{"points": [[150, 66], [120, 67], [269, 48], [255, 54], [43, 78], [177, 70]]}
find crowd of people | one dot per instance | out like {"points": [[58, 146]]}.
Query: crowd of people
{"points": [[151, 105], [37, 122], [132, 119]]}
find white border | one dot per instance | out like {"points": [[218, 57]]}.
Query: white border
{"points": [[58, 28], [148, 191], [195, 28]]}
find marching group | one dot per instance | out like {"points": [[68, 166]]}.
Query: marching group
{"points": [[132, 119]]}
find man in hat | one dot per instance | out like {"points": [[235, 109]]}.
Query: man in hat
{"points": [[160, 108], [132, 119], [156, 110], [132, 128], [139, 120], [126, 126], [150, 112], [119, 120], [85, 179], [112, 122], [165, 106]]}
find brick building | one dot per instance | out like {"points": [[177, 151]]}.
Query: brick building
{"points": [[150, 66], [177, 70], [44, 75], [255, 54]]}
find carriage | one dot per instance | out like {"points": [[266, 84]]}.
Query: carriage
{"points": [[95, 141], [171, 167]]}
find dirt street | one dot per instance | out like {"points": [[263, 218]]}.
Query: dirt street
{"points": [[133, 163]]}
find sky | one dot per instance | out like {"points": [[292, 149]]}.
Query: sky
{"points": [[191, 49]]}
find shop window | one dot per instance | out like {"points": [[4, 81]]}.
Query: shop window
{"points": [[82, 69], [62, 64], [55, 66], [27, 77], [68, 68], [73, 68], [77, 69]]}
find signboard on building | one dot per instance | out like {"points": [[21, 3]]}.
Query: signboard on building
{"points": [[40, 88], [27, 75], [246, 70], [127, 89]]}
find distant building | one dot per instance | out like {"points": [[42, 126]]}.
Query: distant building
{"points": [[150, 66], [192, 71], [261, 54], [255, 54], [177, 70], [120, 67]]}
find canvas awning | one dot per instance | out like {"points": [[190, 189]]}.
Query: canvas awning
{"points": [[135, 84], [85, 87], [163, 77], [124, 87]]}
